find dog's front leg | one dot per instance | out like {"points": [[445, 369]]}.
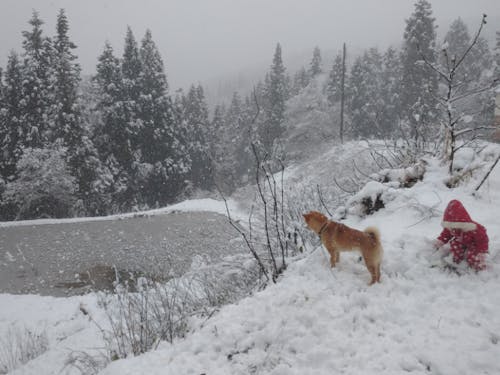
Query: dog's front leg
{"points": [[334, 256]]}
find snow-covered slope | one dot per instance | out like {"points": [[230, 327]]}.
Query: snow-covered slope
{"points": [[421, 319]]}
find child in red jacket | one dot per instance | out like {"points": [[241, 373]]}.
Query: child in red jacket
{"points": [[468, 240]]}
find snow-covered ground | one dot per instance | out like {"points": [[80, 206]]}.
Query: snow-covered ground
{"points": [[421, 319]]}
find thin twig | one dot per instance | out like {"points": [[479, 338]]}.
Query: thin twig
{"points": [[320, 195], [487, 174], [245, 238], [342, 188]]}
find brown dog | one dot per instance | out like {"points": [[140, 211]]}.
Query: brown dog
{"points": [[338, 237]]}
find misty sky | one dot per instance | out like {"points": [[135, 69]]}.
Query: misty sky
{"points": [[204, 39]]}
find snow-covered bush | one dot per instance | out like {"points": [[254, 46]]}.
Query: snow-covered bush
{"points": [[19, 346], [140, 320], [469, 162], [368, 200], [405, 177], [44, 188], [143, 312]]}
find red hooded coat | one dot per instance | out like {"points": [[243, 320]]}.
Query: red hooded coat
{"points": [[468, 239]]}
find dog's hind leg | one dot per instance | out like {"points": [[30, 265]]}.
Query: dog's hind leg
{"points": [[378, 272], [373, 272]]}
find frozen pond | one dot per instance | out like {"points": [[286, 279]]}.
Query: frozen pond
{"points": [[69, 258]]}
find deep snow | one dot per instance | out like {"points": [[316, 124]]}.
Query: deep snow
{"points": [[421, 319]]}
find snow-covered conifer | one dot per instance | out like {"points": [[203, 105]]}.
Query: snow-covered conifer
{"points": [[365, 95], [67, 127], [234, 144], [11, 138], [197, 122], [161, 158], [333, 87], [36, 93], [274, 105], [300, 80], [390, 93], [315, 65], [110, 136], [419, 81], [131, 67]]}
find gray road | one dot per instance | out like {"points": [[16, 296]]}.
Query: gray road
{"points": [[70, 258]]}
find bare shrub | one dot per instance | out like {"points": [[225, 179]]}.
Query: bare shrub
{"points": [[226, 282], [144, 312], [19, 346], [140, 320], [87, 363], [270, 236]]}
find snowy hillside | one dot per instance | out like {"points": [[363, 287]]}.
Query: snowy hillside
{"points": [[422, 318]]}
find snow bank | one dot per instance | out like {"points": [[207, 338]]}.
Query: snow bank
{"points": [[194, 205], [67, 328]]}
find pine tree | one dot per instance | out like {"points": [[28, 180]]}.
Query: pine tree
{"points": [[315, 65], [218, 125], [365, 88], [162, 154], [300, 81], [109, 88], [358, 92], [456, 42], [236, 137], [67, 127], [3, 130], [419, 81], [274, 106], [497, 55], [482, 60], [333, 86], [456, 39], [11, 139], [37, 95], [131, 71], [390, 93], [1, 89], [153, 109], [197, 122], [110, 138]]}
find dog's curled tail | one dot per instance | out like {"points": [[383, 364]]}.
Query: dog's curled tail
{"points": [[374, 233]]}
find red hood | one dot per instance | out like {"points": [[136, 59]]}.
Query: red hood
{"points": [[456, 217]]}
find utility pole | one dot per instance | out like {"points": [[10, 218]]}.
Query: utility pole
{"points": [[342, 93]]}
